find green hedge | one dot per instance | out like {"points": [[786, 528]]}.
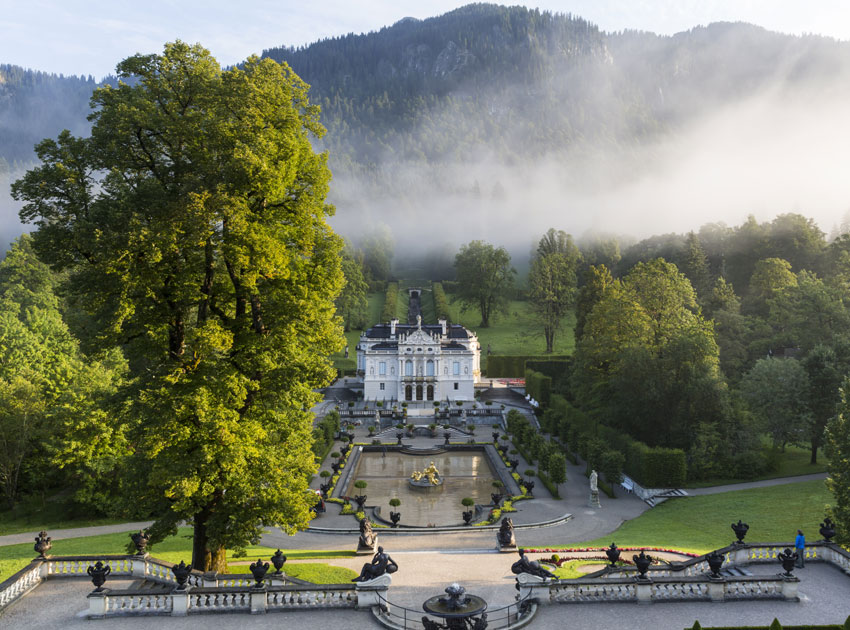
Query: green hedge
{"points": [[651, 467], [441, 304], [390, 303], [539, 386], [513, 365], [557, 369]]}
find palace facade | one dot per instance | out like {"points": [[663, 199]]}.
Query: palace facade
{"points": [[412, 362]]}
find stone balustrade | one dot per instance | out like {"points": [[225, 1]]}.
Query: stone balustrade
{"points": [[743, 554], [255, 600], [20, 583], [657, 589]]}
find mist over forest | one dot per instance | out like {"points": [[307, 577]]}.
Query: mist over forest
{"points": [[498, 123]]}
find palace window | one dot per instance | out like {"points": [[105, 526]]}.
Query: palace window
{"points": [[456, 368], [429, 368], [382, 368], [382, 386], [408, 368]]}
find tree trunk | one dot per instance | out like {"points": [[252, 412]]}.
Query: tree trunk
{"points": [[549, 332], [203, 557], [814, 458]]}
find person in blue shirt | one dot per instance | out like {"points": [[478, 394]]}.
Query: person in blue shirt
{"points": [[800, 545]]}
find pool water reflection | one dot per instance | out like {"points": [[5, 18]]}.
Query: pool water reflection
{"points": [[465, 474]]}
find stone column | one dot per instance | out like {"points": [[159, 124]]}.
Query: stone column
{"points": [[789, 588], [643, 589], [369, 593], [716, 589], [258, 600], [138, 566], [97, 604], [180, 602]]}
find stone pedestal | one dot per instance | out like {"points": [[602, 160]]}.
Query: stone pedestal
{"points": [[369, 593], [97, 604], [643, 589], [139, 566], [210, 579], [593, 499], [506, 548], [367, 551], [789, 589], [716, 589], [258, 600], [180, 602], [526, 583]]}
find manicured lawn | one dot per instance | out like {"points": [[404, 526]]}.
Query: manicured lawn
{"points": [[793, 462], [320, 573], [700, 524], [516, 333], [173, 549]]}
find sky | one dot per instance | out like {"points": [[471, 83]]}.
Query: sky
{"points": [[90, 37]]}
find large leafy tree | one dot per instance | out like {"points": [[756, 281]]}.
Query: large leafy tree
{"points": [[838, 451], [193, 220], [777, 393], [552, 282], [597, 279], [484, 278], [647, 360], [824, 371], [45, 385], [351, 304]]}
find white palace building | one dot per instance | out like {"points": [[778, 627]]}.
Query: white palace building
{"points": [[412, 362]]}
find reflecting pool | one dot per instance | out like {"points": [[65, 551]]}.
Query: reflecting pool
{"points": [[464, 473]]}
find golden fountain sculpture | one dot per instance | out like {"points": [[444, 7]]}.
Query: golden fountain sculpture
{"points": [[431, 474]]}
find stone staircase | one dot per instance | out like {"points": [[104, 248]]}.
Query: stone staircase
{"points": [[663, 496]]}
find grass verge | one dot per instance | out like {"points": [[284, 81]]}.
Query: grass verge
{"points": [[700, 524]]}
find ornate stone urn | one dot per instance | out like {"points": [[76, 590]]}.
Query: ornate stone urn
{"points": [[98, 574], [613, 553], [181, 574], [827, 529], [278, 560], [788, 559], [446, 435], [496, 437], [42, 543], [258, 570], [740, 530], [395, 517], [715, 561], [399, 437], [140, 540], [642, 563], [467, 516], [360, 499]]}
